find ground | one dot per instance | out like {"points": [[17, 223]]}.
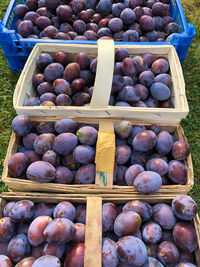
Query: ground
{"points": [[191, 70]]}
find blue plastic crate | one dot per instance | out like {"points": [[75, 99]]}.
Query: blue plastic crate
{"points": [[17, 49]]}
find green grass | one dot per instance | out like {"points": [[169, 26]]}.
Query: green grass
{"points": [[191, 69]]}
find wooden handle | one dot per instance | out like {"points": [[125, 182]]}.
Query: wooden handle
{"points": [[104, 74], [93, 232], [105, 155]]}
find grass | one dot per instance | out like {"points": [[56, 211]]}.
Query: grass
{"points": [[191, 70]]}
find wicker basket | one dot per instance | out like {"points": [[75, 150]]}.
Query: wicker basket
{"points": [[93, 238], [103, 82], [104, 172]]}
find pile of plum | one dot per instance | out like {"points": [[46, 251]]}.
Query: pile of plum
{"points": [[42, 234], [137, 234], [134, 234], [122, 20], [148, 157], [139, 81], [62, 153], [61, 82]]}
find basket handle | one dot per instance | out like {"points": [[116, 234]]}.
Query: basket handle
{"points": [[93, 232], [104, 74]]}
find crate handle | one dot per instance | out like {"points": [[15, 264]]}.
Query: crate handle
{"points": [[105, 154], [104, 74], [93, 232]]}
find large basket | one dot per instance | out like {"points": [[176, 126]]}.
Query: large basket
{"points": [[93, 238], [99, 106], [17, 49], [105, 156]]}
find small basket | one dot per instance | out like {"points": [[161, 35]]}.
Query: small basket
{"points": [[99, 106]]}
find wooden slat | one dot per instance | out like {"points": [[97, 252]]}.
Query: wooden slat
{"points": [[93, 232], [105, 154], [104, 74]]}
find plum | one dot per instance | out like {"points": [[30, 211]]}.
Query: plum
{"points": [[132, 172], [185, 237], [28, 140], [59, 231], [109, 214], [17, 164], [164, 143], [54, 250], [72, 71], [5, 261], [7, 208], [131, 250], [123, 129], [148, 182], [177, 172], [163, 215], [61, 57], [36, 228], [21, 125], [53, 71], [41, 171], [180, 150], [86, 174], [69, 162], [32, 156], [7, 229], [52, 157], [18, 247], [65, 210], [44, 60], [75, 257], [141, 207], [151, 233], [87, 135], [109, 253], [122, 154], [127, 223], [43, 143], [22, 211], [184, 207], [47, 260], [144, 141], [160, 91], [63, 175], [168, 253], [65, 143], [81, 213], [26, 262], [157, 165], [84, 154], [42, 208]]}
